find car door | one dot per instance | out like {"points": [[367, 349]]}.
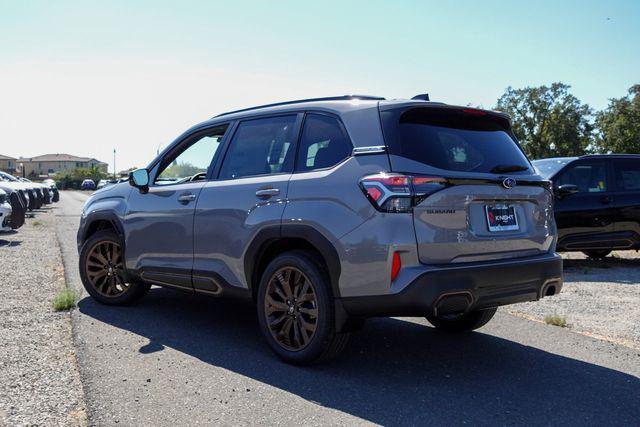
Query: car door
{"points": [[159, 222], [626, 172], [585, 219], [248, 195]]}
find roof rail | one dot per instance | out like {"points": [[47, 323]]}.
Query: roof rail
{"points": [[609, 154], [300, 101]]}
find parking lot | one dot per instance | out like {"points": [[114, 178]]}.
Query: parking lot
{"points": [[176, 357]]}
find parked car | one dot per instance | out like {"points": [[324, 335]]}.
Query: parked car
{"points": [[88, 184], [107, 182], [47, 194], [325, 212], [597, 206], [53, 188], [19, 199], [31, 195], [6, 212]]}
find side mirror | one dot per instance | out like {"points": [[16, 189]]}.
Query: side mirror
{"points": [[565, 190], [139, 178]]}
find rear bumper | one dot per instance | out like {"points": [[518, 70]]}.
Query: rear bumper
{"points": [[460, 288]]}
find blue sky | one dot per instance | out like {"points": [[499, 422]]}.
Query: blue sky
{"points": [[134, 74]]}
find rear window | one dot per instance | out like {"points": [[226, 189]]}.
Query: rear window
{"points": [[455, 140], [627, 175]]}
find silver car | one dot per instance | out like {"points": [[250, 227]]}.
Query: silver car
{"points": [[325, 212]]}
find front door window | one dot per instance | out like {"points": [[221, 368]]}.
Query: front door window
{"points": [[193, 162]]}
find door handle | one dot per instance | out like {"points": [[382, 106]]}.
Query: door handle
{"points": [[605, 200], [186, 198], [265, 193]]}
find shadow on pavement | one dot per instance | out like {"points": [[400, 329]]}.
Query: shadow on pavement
{"points": [[609, 269], [9, 243], [608, 262], [393, 372]]}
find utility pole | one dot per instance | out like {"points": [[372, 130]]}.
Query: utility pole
{"points": [[114, 163]]}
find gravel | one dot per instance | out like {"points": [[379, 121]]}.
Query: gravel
{"points": [[39, 380], [600, 298]]}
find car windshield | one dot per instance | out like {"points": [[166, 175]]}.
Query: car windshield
{"points": [[549, 167], [8, 177]]}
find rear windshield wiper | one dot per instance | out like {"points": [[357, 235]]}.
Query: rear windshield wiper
{"points": [[509, 168]]}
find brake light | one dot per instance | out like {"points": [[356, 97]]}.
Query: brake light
{"points": [[397, 192], [395, 266], [474, 111]]}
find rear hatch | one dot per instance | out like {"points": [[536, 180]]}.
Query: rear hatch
{"points": [[476, 196]]}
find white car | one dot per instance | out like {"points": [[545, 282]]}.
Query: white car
{"points": [[5, 212]]}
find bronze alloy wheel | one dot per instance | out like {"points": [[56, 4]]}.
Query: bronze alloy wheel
{"points": [[291, 308], [104, 269]]}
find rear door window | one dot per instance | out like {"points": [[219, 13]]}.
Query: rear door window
{"points": [[590, 177], [459, 140], [261, 147], [324, 143], [627, 174]]}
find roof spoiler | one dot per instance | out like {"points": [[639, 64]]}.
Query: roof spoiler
{"points": [[421, 97]]}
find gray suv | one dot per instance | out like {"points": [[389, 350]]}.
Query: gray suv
{"points": [[324, 212]]}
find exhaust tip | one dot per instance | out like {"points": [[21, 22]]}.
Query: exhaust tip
{"points": [[457, 302], [550, 289]]}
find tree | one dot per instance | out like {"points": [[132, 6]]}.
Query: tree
{"points": [[548, 121], [73, 178], [619, 124]]}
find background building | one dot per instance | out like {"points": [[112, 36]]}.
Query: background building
{"points": [[49, 164], [7, 164]]}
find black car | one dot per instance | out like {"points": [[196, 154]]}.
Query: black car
{"points": [[597, 202]]}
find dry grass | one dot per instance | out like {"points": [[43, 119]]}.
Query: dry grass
{"points": [[556, 320]]}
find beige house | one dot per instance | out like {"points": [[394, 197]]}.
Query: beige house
{"points": [[48, 164], [7, 164]]}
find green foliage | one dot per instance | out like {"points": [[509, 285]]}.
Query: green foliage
{"points": [[72, 179], [65, 300], [548, 121], [619, 124], [180, 170]]}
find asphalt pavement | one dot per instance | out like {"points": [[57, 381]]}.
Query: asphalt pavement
{"points": [[178, 359]]}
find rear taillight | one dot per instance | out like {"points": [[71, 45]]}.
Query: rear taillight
{"points": [[389, 192], [395, 266]]}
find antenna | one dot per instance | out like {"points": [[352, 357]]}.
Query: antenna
{"points": [[422, 97]]}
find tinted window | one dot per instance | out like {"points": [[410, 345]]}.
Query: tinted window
{"points": [[261, 147], [588, 177], [627, 174], [324, 143], [193, 160], [453, 139]]}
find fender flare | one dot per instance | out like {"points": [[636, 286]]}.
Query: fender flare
{"points": [[300, 231], [92, 217]]}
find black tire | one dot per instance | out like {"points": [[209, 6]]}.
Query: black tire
{"points": [[463, 322], [17, 211], [324, 343], [597, 253], [124, 291]]}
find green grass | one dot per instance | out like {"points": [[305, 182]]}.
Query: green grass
{"points": [[37, 223], [556, 321], [65, 300]]}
